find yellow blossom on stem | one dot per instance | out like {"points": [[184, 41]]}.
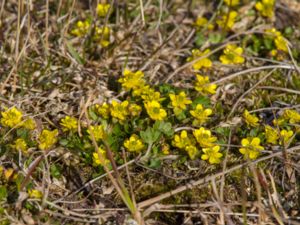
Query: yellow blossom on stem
{"points": [[179, 101], [203, 22], [204, 137], [232, 2], [132, 80], [134, 144], [103, 110], [281, 44], [212, 154], [97, 131], [285, 136], [203, 62], [200, 114], [181, 141], [119, 110], [232, 54], [192, 151], [102, 9], [69, 123], [203, 85], [11, 117], [251, 120], [266, 7], [33, 193], [29, 124], [47, 139], [151, 95], [10, 174], [21, 145], [81, 28], [271, 135], [134, 109], [292, 116], [227, 20], [251, 147], [96, 159], [279, 121], [154, 110], [102, 35]]}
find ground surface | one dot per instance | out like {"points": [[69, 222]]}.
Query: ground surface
{"points": [[206, 133]]}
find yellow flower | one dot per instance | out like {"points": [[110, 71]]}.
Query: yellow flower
{"points": [[281, 44], [97, 131], [69, 123], [29, 124], [141, 89], [212, 154], [151, 95], [119, 110], [134, 144], [273, 32], [96, 159], [11, 117], [154, 110], [200, 114], [179, 101], [232, 55], [181, 141], [292, 116], [132, 80], [33, 193], [192, 151], [204, 62], [251, 147], [102, 35], [47, 139], [165, 149], [20, 145], [134, 109], [285, 136], [266, 7], [204, 86], [10, 174], [102, 9], [103, 110], [232, 2], [227, 20], [202, 22], [204, 137], [81, 28], [279, 121], [271, 135], [251, 120]]}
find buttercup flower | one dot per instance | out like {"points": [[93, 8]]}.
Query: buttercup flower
{"points": [[212, 154], [132, 80], [292, 116], [119, 110], [192, 151], [251, 120], [271, 135], [47, 139], [151, 95], [97, 131], [134, 109], [11, 117], [102, 9], [134, 144], [103, 110], [10, 174], [285, 136], [232, 55], [232, 2], [20, 145], [202, 22], [266, 7], [33, 193], [181, 141], [204, 137], [251, 147], [203, 85], [200, 114], [29, 124], [205, 62], [69, 123], [102, 35], [81, 28], [281, 44], [155, 111], [96, 159], [227, 20], [179, 101]]}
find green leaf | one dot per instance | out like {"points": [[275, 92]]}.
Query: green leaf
{"points": [[215, 38], [155, 163], [200, 39], [74, 53], [3, 193], [204, 100], [55, 172], [150, 135]]}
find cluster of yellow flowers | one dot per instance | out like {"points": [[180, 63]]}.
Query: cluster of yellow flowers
{"points": [[13, 118], [227, 20], [279, 41], [266, 7], [96, 159]]}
